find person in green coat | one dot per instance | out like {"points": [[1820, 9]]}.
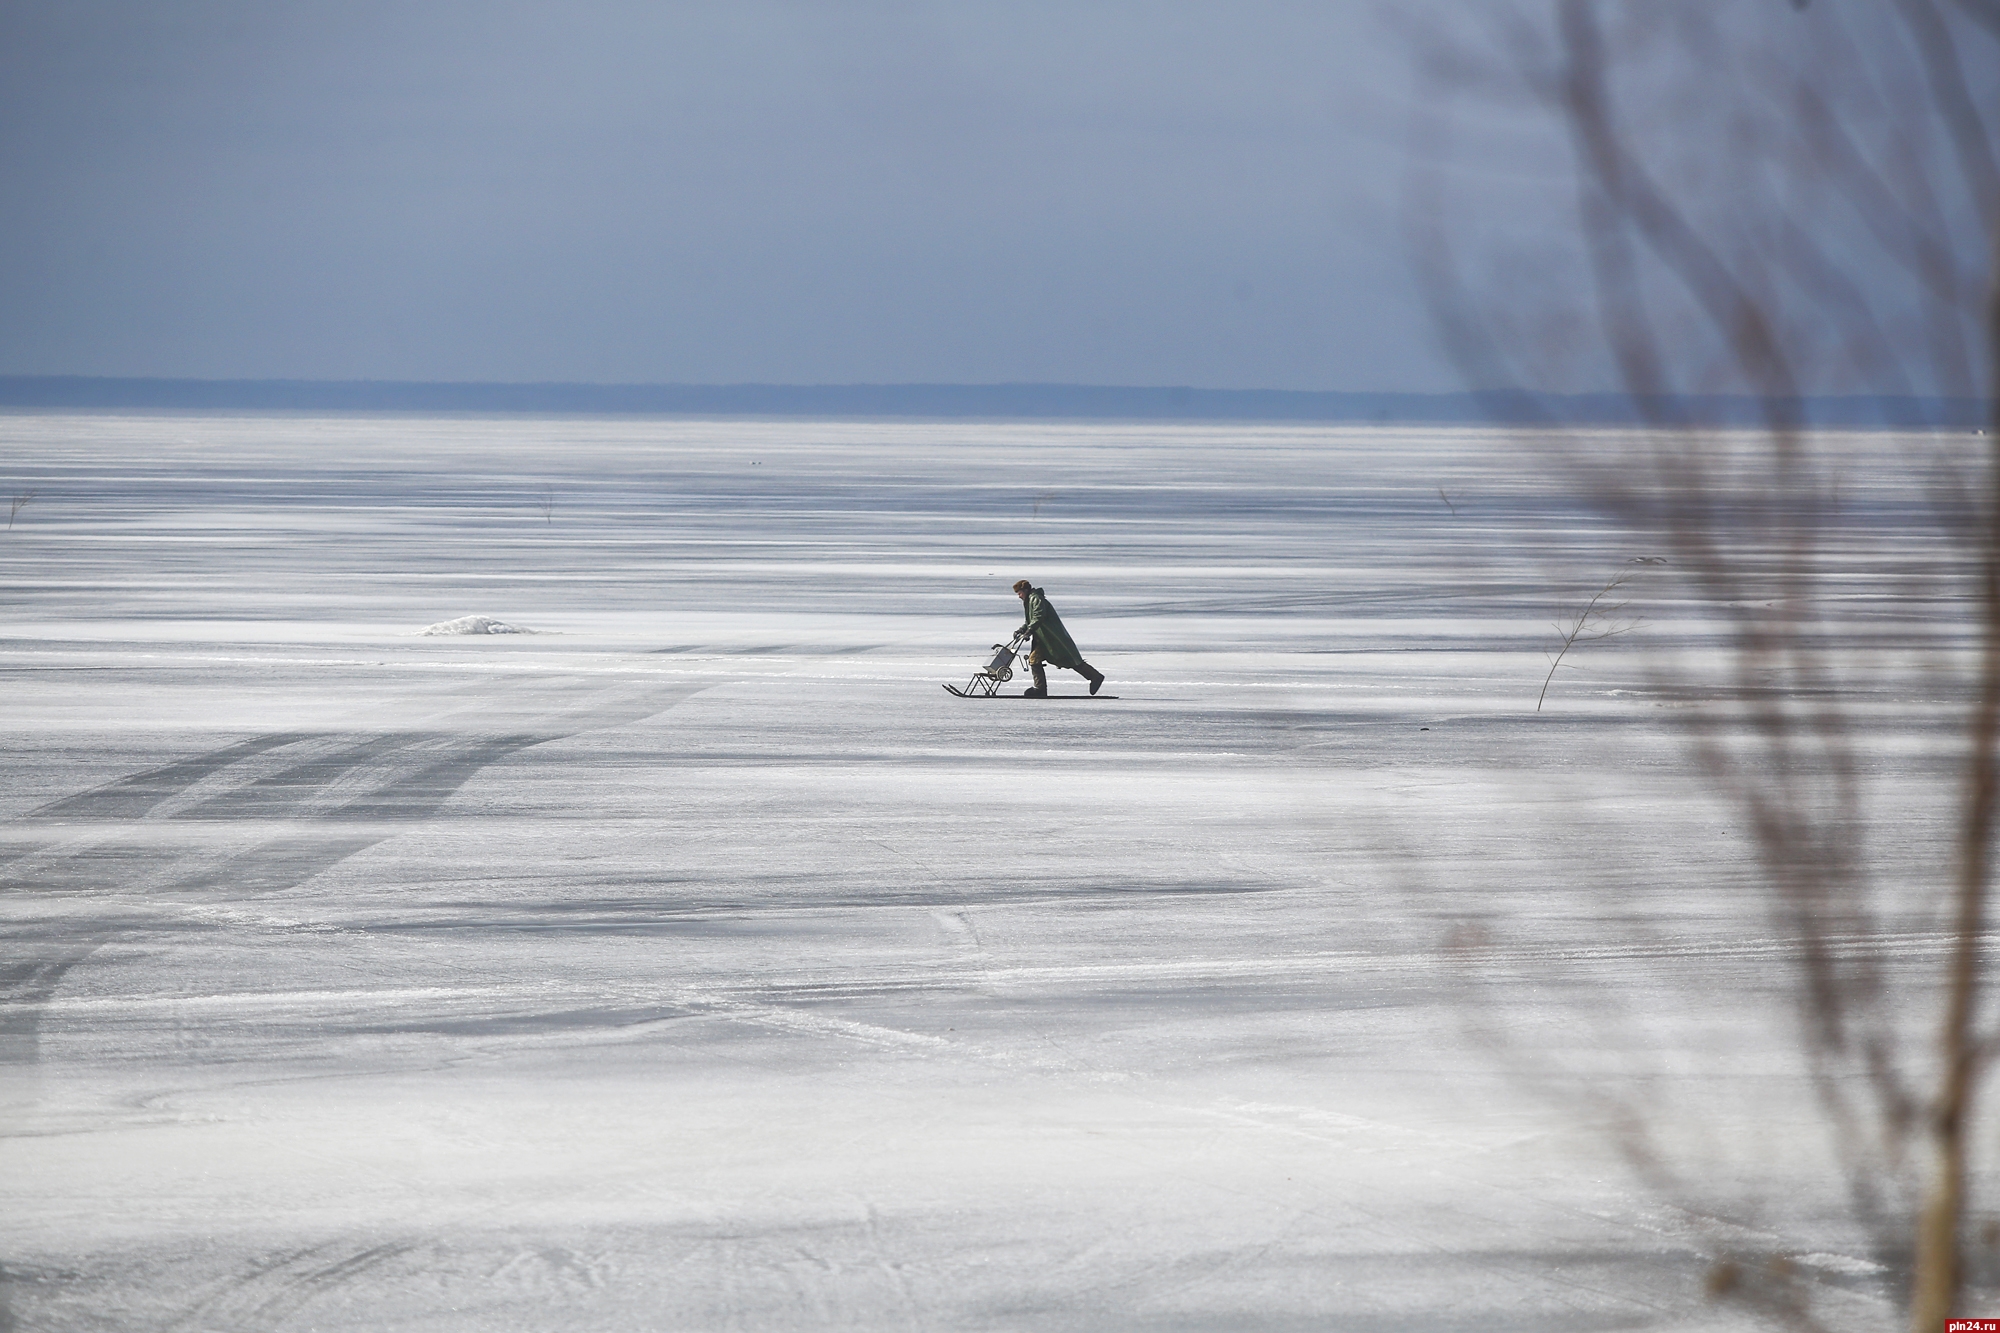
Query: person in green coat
{"points": [[1053, 645]]}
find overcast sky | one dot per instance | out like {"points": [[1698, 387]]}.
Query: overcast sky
{"points": [[1146, 193]]}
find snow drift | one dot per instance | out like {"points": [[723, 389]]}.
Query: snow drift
{"points": [[474, 625]]}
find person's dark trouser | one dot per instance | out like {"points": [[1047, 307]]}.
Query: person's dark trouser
{"points": [[1035, 666]]}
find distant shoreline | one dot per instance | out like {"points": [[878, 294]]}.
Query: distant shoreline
{"points": [[992, 401]]}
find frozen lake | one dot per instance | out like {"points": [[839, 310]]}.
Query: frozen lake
{"points": [[696, 962]]}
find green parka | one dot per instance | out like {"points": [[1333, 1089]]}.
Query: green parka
{"points": [[1052, 641]]}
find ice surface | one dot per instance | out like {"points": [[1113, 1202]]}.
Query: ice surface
{"points": [[704, 965]]}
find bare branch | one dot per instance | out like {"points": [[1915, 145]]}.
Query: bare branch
{"points": [[1814, 209], [1597, 620]]}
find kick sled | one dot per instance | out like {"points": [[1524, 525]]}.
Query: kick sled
{"points": [[999, 669]]}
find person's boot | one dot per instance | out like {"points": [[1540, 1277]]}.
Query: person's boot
{"points": [[1095, 676], [1040, 689]]}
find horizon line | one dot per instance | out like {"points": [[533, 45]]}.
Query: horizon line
{"points": [[1012, 399]]}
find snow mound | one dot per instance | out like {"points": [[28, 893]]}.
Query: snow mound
{"points": [[474, 625]]}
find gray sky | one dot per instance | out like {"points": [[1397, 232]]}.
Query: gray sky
{"points": [[1144, 193]]}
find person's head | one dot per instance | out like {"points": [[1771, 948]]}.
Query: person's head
{"points": [[1021, 590]]}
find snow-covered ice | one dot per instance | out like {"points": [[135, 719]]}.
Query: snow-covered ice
{"points": [[697, 962]]}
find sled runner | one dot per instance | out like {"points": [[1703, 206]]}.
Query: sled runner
{"points": [[1036, 698]]}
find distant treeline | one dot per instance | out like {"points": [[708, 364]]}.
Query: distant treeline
{"points": [[962, 400]]}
